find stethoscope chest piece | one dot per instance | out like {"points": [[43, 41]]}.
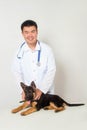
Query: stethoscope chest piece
{"points": [[38, 64]]}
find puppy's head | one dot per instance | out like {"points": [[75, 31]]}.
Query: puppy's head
{"points": [[28, 90]]}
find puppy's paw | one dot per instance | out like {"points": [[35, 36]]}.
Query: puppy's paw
{"points": [[23, 113], [56, 111], [14, 111], [46, 108]]}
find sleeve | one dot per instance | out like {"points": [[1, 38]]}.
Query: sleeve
{"points": [[16, 70], [49, 76]]}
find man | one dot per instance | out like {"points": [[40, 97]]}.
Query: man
{"points": [[34, 61]]}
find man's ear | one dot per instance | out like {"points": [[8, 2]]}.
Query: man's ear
{"points": [[33, 85]]}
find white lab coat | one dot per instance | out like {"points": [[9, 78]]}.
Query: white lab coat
{"points": [[26, 69]]}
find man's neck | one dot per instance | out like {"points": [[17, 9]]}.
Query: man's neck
{"points": [[32, 46]]}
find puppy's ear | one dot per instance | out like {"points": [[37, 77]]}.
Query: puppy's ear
{"points": [[33, 85], [22, 85]]}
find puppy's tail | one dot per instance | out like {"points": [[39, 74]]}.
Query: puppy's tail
{"points": [[72, 105]]}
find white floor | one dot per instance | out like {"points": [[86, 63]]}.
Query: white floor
{"points": [[72, 118]]}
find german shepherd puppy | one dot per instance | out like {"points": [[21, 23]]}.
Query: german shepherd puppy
{"points": [[46, 101]]}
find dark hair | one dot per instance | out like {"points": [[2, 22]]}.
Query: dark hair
{"points": [[28, 23]]}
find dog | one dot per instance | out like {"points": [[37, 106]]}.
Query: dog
{"points": [[46, 101]]}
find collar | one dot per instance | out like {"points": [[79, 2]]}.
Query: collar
{"points": [[27, 48]]}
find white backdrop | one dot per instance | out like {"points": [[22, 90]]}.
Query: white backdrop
{"points": [[62, 25]]}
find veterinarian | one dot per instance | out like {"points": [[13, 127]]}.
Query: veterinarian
{"points": [[34, 61]]}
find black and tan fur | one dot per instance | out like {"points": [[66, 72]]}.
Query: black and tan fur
{"points": [[46, 101]]}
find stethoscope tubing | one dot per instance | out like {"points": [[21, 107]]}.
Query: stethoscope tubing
{"points": [[38, 57]]}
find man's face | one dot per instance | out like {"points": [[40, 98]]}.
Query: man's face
{"points": [[30, 34]]}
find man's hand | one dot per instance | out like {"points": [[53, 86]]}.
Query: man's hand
{"points": [[38, 94], [23, 95]]}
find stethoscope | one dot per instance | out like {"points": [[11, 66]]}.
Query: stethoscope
{"points": [[19, 54]]}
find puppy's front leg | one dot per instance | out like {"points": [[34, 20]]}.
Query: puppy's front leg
{"points": [[24, 105], [29, 111]]}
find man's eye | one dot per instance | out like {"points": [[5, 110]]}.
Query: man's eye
{"points": [[33, 31]]}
